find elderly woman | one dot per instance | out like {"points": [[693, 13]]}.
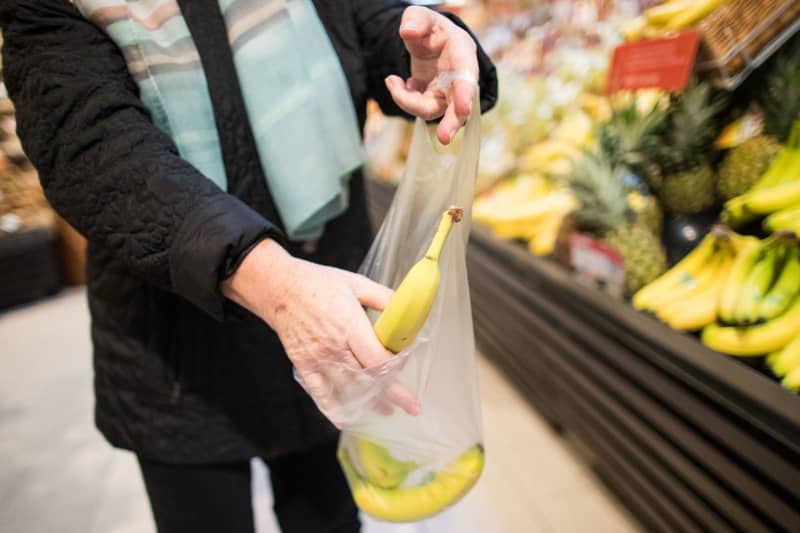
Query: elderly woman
{"points": [[210, 152]]}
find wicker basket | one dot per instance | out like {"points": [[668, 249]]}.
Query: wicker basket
{"points": [[740, 35]]}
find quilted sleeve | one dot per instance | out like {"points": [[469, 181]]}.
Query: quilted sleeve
{"points": [[378, 24], [103, 164]]}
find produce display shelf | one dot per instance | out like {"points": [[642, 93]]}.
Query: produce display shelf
{"points": [[689, 439], [718, 69]]}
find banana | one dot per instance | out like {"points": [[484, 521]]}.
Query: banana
{"points": [[702, 307], [755, 287], [408, 309], [508, 195], [792, 380], [380, 467], [785, 360], [543, 242], [745, 260], [775, 198], [522, 221], [786, 287], [781, 220], [778, 169], [683, 273], [697, 11], [754, 340], [689, 286], [415, 503], [661, 14], [734, 213]]}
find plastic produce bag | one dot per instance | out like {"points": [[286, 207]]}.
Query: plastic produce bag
{"points": [[401, 467]]}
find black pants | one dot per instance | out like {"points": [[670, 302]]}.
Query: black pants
{"points": [[309, 489]]}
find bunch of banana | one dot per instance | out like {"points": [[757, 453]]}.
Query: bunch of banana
{"points": [[785, 364], [776, 193], [535, 217], [378, 490], [670, 16], [760, 304], [687, 297]]}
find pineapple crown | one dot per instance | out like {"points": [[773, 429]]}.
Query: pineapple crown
{"points": [[629, 136], [690, 128], [600, 188]]}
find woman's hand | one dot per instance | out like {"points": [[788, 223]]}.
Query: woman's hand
{"points": [[317, 313], [436, 45]]}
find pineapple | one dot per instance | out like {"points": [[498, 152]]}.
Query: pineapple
{"points": [[630, 136], [779, 102], [685, 180], [744, 164], [603, 196], [647, 211], [625, 140]]}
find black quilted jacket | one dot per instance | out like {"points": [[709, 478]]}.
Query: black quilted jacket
{"points": [[181, 374]]}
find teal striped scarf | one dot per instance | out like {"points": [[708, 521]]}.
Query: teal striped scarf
{"points": [[294, 90]]}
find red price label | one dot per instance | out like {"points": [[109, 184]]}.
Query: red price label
{"points": [[597, 264], [664, 63]]}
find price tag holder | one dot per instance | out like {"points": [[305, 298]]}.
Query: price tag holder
{"points": [[597, 265], [663, 63]]}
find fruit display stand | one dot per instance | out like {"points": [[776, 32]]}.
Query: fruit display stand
{"points": [[689, 439]]}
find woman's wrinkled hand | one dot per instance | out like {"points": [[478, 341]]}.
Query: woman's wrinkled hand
{"points": [[317, 313], [436, 45]]}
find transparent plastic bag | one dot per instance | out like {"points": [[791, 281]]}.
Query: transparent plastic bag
{"points": [[401, 467]]}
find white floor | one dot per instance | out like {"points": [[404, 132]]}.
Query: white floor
{"points": [[57, 474]]}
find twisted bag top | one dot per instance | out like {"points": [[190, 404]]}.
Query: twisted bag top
{"points": [[293, 86]]}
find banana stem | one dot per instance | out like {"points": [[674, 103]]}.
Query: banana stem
{"points": [[450, 216]]}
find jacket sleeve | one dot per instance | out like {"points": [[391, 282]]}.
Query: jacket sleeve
{"points": [[378, 24], [106, 168]]}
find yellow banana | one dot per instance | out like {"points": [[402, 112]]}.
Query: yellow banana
{"points": [[787, 359], [415, 503], [788, 218], [688, 287], [786, 166], [734, 213], [661, 14], [543, 241], [778, 298], [380, 467], [755, 287], [523, 220], [792, 380], [683, 273], [700, 308], [697, 11], [755, 340], [745, 259], [405, 314], [765, 201]]}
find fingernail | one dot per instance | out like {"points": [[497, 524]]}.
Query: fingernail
{"points": [[410, 26]]}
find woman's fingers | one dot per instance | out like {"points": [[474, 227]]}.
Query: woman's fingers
{"points": [[427, 105], [369, 293]]}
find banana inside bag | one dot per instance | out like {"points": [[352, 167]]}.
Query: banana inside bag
{"points": [[404, 468]]}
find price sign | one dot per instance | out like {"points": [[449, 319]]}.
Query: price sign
{"points": [[597, 265], [664, 63]]}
